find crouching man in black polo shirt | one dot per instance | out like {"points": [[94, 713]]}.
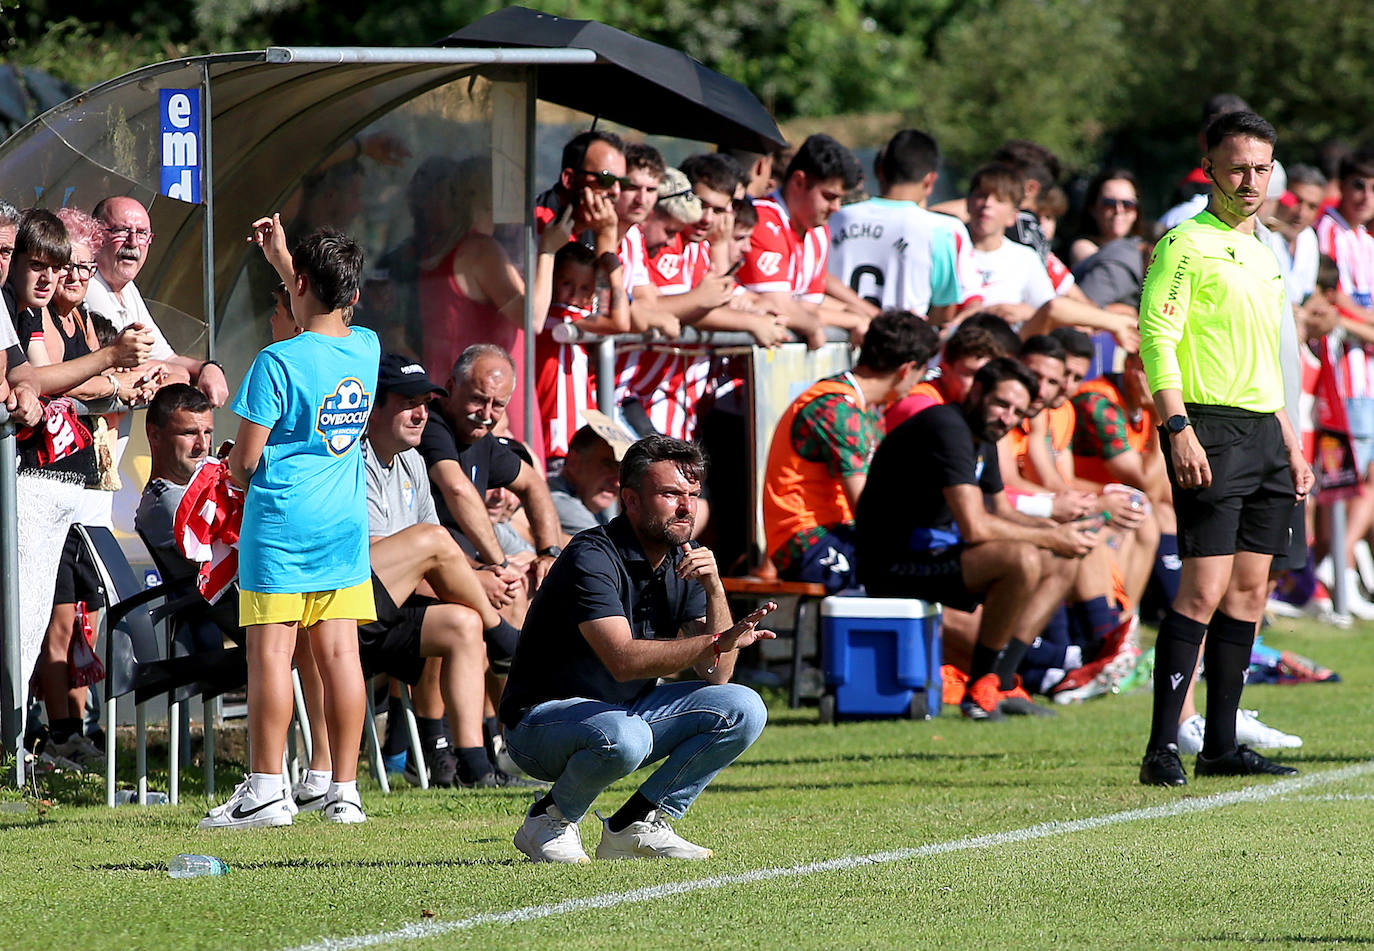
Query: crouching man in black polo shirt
{"points": [[624, 605]]}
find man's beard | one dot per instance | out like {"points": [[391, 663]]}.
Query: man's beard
{"points": [[669, 531], [983, 429]]}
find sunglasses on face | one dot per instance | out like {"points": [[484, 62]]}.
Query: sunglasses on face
{"points": [[1122, 204], [605, 179]]}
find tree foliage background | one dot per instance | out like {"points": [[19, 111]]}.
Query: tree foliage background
{"points": [[1096, 80]]}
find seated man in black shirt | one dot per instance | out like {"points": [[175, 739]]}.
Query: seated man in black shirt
{"points": [[460, 451], [934, 523], [626, 604]]}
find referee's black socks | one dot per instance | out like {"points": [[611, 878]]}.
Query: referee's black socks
{"points": [[1175, 659], [1225, 658]]}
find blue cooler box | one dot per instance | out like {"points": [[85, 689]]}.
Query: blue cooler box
{"points": [[877, 655]]}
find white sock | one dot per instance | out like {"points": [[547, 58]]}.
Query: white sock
{"points": [[1073, 657], [265, 786], [348, 790], [317, 780]]}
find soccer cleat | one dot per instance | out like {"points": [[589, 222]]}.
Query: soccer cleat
{"points": [[344, 811], [651, 838], [1190, 733], [1242, 761], [308, 798], [1016, 702], [551, 838], [1251, 731], [982, 699], [243, 810], [1163, 768]]}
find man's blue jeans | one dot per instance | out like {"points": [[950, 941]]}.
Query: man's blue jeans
{"points": [[582, 746]]}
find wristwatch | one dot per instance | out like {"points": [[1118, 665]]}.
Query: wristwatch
{"points": [[1177, 423], [553, 551]]}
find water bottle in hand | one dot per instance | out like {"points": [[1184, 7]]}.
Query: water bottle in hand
{"points": [[194, 866]]}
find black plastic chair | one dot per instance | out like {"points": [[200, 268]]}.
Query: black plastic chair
{"points": [[138, 660]]}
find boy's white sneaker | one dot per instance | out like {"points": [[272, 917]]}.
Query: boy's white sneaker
{"points": [[243, 810], [652, 838], [344, 811], [307, 798]]}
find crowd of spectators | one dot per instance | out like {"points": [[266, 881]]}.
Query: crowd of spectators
{"points": [[994, 447]]}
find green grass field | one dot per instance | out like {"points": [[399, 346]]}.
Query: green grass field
{"points": [[1289, 866]]}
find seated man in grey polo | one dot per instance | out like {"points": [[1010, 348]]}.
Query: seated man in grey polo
{"points": [[586, 492], [180, 425], [624, 605]]}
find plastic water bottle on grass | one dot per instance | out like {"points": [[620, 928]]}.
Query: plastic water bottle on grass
{"points": [[196, 866]]}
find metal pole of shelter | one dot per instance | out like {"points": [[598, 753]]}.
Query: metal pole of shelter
{"points": [[207, 195], [12, 680], [531, 254]]}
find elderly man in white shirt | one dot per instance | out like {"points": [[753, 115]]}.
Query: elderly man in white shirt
{"points": [[113, 294]]}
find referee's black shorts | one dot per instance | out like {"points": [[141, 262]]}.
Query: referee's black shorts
{"points": [[1249, 505]]}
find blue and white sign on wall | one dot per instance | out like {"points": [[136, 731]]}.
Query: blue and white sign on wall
{"points": [[181, 138]]}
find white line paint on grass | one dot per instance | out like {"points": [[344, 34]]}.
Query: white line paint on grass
{"points": [[1044, 830]]}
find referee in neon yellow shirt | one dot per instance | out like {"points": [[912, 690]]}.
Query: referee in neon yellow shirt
{"points": [[1210, 317]]}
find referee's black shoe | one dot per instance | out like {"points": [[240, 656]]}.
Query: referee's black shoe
{"points": [[1163, 767], [1242, 761]]}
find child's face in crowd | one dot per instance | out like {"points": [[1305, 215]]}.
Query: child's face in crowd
{"points": [[34, 281], [575, 285], [989, 213], [739, 243], [819, 200], [1357, 199]]}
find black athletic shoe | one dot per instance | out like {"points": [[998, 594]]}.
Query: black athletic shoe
{"points": [[1242, 761], [1163, 768], [499, 779], [440, 761]]}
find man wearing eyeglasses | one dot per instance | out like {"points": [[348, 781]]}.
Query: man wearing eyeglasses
{"points": [[113, 294], [593, 164]]}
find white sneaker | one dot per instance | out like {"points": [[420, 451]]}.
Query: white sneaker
{"points": [[344, 811], [651, 839], [1252, 732], [1355, 604], [307, 798], [243, 810], [551, 838], [1190, 733], [76, 752]]}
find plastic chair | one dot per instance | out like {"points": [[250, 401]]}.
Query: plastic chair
{"points": [[139, 661]]}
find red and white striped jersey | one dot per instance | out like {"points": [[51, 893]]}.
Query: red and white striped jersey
{"points": [[564, 383], [1352, 248], [633, 259], [782, 261]]}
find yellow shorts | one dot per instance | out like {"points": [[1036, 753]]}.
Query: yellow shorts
{"points": [[309, 609]]}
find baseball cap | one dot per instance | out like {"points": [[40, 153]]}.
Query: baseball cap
{"points": [[676, 198], [401, 374], [610, 430]]}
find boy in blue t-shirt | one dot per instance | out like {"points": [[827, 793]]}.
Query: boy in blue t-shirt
{"points": [[303, 549]]}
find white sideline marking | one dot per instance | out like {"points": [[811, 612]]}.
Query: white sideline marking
{"points": [[1177, 807]]}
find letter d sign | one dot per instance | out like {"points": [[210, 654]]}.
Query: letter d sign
{"points": [[180, 146]]}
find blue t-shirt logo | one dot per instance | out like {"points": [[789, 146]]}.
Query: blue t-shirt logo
{"points": [[343, 415]]}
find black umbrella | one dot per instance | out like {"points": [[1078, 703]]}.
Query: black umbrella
{"points": [[635, 82]]}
